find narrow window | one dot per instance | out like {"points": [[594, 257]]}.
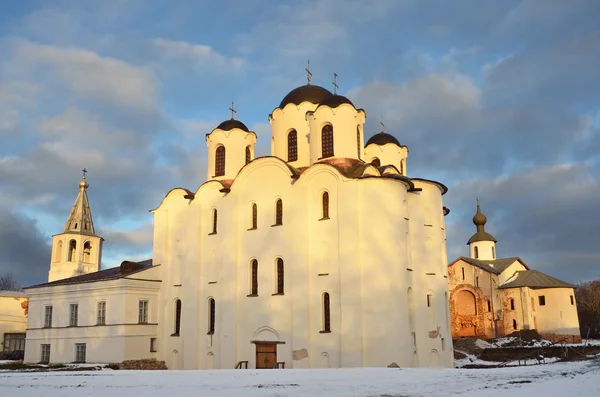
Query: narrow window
{"points": [[512, 304], [376, 162], [254, 216], [325, 205], [254, 282], [80, 350], [429, 299], [327, 141], [401, 167], [358, 145], [532, 305], [45, 354], [101, 314], [280, 279], [220, 161], [489, 306], [143, 312], [542, 300], [48, 317], [443, 344], [72, 248], [476, 251], [153, 347], [326, 313], [211, 316], [463, 273], [293, 146], [572, 300], [514, 324], [248, 154], [73, 314], [493, 253], [477, 282], [177, 317], [87, 251], [279, 212], [214, 221]]}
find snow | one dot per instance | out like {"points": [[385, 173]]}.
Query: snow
{"points": [[560, 379], [480, 343]]}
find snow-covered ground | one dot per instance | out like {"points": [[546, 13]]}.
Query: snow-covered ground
{"points": [[560, 379]]}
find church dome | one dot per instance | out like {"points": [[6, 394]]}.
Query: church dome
{"points": [[230, 124], [335, 100], [382, 138], [479, 219], [306, 93]]}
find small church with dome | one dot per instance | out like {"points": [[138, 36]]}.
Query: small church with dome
{"points": [[325, 253]]}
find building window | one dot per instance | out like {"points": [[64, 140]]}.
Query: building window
{"points": [[293, 146], [572, 300], [143, 312], [254, 277], [326, 313], [101, 317], [429, 300], [280, 278], [177, 317], [248, 154], [48, 317], [542, 300], [476, 281], [514, 324], [211, 316], [327, 141], [358, 141], [153, 347], [214, 229], [45, 354], [73, 314], [512, 304], [489, 303], [463, 273], [80, 349], [279, 212], [325, 205], [72, 249], [13, 342], [493, 253], [476, 251], [220, 161], [87, 252], [254, 214], [376, 162]]}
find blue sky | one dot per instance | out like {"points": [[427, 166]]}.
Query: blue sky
{"points": [[495, 99]]}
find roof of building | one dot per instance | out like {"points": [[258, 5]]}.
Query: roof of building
{"points": [[80, 217], [495, 266], [382, 138], [481, 236], [127, 268], [13, 294], [305, 93], [535, 279], [479, 220], [230, 124], [334, 101]]}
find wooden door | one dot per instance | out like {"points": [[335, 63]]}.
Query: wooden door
{"points": [[266, 356]]}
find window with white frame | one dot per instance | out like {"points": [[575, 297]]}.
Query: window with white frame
{"points": [[73, 314], [80, 350], [45, 354], [101, 317], [48, 317], [143, 312]]}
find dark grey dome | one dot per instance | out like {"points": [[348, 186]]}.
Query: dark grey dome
{"points": [[335, 100], [230, 124], [382, 138], [306, 93]]}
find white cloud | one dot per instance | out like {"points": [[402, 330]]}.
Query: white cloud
{"points": [[200, 55]]}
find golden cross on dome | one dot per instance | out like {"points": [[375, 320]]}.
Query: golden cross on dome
{"points": [[233, 111], [84, 172], [308, 73], [335, 86]]}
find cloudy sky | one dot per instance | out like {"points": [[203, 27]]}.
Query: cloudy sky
{"points": [[499, 100]]}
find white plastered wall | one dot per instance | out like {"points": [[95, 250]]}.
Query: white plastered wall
{"points": [[235, 142]]}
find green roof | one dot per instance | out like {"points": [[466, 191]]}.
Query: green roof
{"points": [[535, 279]]}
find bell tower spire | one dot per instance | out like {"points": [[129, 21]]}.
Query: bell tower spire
{"points": [[482, 245], [77, 250]]}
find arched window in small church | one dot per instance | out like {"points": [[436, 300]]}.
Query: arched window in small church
{"points": [[177, 318], [211, 316], [358, 145], [326, 313], [58, 253], [327, 141], [292, 145], [214, 221], [248, 154], [254, 277], [280, 279], [72, 249], [325, 205], [254, 216], [279, 212], [376, 162], [87, 252], [476, 252], [220, 161]]}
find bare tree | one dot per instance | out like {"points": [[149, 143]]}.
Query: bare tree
{"points": [[588, 307], [9, 283]]}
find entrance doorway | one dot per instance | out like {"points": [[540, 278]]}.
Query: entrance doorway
{"points": [[266, 355]]}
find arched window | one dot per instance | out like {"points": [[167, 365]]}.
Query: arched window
{"points": [[325, 205], [220, 161], [214, 221], [327, 141], [280, 279], [512, 304], [465, 303], [254, 277], [476, 252], [211, 316], [58, 255], [358, 145], [514, 324], [493, 253], [376, 162], [72, 249], [279, 212], [292, 145], [177, 317], [254, 216], [248, 154], [326, 313], [87, 252]]}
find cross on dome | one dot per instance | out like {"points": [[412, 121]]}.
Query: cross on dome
{"points": [[308, 73], [335, 86], [233, 111]]}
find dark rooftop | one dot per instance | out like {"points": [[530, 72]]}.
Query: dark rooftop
{"points": [[535, 279]]}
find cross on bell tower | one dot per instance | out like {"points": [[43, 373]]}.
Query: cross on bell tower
{"points": [[233, 111], [308, 73]]}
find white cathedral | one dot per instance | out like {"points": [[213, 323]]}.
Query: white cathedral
{"points": [[323, 254]]}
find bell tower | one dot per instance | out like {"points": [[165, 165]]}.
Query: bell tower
{"points": [[77, 250], [482, 245]]}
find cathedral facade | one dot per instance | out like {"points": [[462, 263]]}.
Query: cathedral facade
{"points": [[323, 254]]}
